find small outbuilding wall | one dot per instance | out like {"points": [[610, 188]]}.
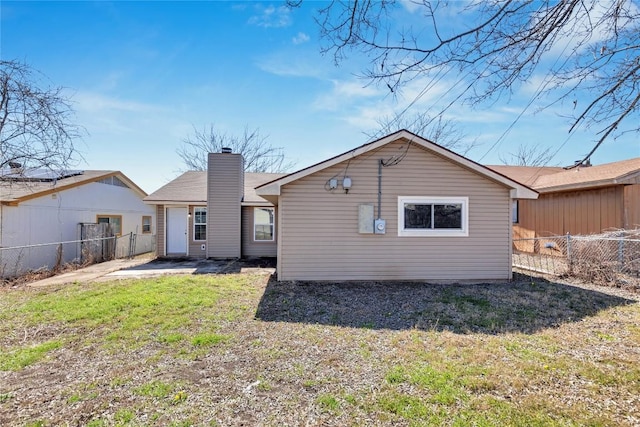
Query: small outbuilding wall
{"points": [[632, 206], [580, 212]]}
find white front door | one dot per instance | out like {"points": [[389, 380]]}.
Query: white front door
{"points": [[177, 231]]}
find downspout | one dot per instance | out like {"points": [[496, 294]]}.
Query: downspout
{"points": [[380, 225], [379, 189]]}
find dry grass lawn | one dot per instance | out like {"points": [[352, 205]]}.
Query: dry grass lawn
{"points": [[244, 350]]}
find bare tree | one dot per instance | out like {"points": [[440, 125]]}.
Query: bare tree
{"points": [[36, 127], [259, 155], [444, 132], [528, 155], [577, 47]]}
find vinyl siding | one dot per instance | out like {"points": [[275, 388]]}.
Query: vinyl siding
{"points": [[195, 247], [251, 248], [160, 233], [319, 239], [225, 183]]}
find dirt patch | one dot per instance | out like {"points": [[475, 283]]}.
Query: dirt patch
{"points": [[523, 306], [34, 276]]}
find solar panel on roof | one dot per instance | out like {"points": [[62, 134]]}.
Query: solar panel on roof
{"points": [[41, 175]]}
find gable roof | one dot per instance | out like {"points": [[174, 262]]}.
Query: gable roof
{"points": [[518, 190], [15, 191], [191, 188], [548, 179]]}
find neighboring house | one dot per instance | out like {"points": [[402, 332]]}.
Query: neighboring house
{"points": [[399, 208], [582, 200], [40, 207]]}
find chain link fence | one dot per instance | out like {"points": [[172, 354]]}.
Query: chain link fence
{"points": [[609, 257], [18, 261]]}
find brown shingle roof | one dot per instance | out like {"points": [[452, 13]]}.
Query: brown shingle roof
{"points": [[14, 192], [526, 175], [593, 176], [191, 187], [547, 179]]}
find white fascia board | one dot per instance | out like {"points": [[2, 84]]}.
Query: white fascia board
{"points": [[258, 204], [175, 202], [522, 191], [514, 193]]}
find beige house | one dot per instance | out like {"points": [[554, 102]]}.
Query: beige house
{"points": [[399, 208], [581, 200], [187, 229]]}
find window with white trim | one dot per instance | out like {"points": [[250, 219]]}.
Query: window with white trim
{"points": [[199, 224], [264, 224], [433, 216], [146, 224]]}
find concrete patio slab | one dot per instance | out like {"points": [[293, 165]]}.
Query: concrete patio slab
{"points": [[147, 266]]}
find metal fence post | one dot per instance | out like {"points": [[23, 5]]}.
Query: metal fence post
{"points": [[620, 255], [569, 261], [132, 244], [59, 258]]}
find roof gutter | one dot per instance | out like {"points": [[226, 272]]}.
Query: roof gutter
{"points": [[176, 202]]}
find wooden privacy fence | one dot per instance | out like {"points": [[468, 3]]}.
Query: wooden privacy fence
{"points": [[604, 257], [97, 242]]}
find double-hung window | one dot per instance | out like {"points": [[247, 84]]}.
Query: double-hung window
{"points": [[114, 220], [200, 224], [264, 224], [146, 224], [433, 216]]}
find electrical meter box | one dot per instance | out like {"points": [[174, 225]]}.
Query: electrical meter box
{"points": [[380, 226], [365, 219]]}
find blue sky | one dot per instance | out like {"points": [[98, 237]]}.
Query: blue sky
{"points": [[142, 74]]}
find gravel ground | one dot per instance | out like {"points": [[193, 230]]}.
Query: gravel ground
{"points": [[300, 344]]}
